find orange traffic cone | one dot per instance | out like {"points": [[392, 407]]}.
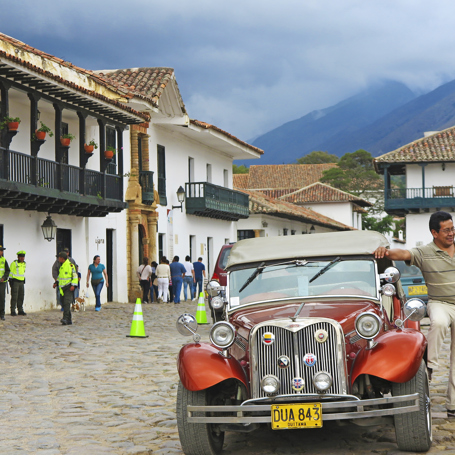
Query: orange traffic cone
{"points": [[201, 315], [137, 326]]}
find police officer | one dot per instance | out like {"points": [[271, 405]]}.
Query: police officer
{"points": [[17, 281], [4, 273], [67, 281]]}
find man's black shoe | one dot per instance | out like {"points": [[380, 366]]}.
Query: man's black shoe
{"points": [[430, 374], [65, 322], [22, 313], [13, 313], [451, 413], [2, 318]]}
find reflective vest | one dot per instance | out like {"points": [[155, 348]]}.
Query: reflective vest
{"points": [[2, 266], [17, 271], [67, 275]]}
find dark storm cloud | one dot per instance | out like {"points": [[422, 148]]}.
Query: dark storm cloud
{"points": [[248, 66]]}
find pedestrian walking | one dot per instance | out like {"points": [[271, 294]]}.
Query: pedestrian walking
{"points": [[188, 280], [144, 272], [199, 275], [163, 273], [17, 283], [177, 274], [67, 282], [4, 274], [97, 270], [153, 283], [437, 263]]}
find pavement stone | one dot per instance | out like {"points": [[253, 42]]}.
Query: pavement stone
{"points": [[89, 389]]}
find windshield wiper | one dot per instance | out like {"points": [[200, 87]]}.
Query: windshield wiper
{"points": [[327, 267], [253, 276]]}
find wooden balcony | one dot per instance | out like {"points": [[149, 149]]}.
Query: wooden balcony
{"points": [[416, 200], [146, 182], [213, 201], [33, 183]]}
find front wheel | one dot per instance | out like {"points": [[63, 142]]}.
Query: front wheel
{"points": [[197, 438], [413, 430]]}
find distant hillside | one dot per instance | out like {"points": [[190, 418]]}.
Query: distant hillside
{"points": [[431, 112], [299, 137]]}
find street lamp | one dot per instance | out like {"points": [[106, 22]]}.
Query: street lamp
{"points": [[180, 198], [49, 228]]}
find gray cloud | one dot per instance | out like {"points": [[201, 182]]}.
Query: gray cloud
{"points": [[248, 66]]}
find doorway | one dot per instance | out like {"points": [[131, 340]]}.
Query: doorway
{"points": [[64, 241]]}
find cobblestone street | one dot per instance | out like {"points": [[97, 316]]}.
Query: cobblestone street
{"points": [[88, 389]]}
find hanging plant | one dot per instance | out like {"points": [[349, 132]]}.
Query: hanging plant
{"points": [[109, 152], [40, 133], [65, 139], [12, 123], [90, 146]]}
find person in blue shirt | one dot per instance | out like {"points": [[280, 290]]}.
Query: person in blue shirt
{"points": [[177, 273], [199, 275], [97, 270]]}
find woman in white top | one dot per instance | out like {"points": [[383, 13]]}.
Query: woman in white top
{"points": [[144, 272], [163, 273]]}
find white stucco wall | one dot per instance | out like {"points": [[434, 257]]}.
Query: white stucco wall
{"points": [[22, 229], [434, 175], [339, 211]]}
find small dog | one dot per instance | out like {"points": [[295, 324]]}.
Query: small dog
{"points": [[78, 304]]}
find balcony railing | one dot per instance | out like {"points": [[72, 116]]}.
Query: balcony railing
{"points": [[48, 183], [213, 201], [404, 200], [146, 182]]}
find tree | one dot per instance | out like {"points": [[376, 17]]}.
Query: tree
{"points": [[318, 157], [240, 169], [354, 174], [382, 225]]}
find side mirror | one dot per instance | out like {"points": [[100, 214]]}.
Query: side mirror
{"points": [[187, 326], [390, 275], [415, 309], [213, 288]]}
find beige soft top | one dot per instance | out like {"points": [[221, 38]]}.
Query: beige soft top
{"points": [[306, 246]]}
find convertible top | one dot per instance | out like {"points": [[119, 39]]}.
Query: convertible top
{"points": [[348, 243]]}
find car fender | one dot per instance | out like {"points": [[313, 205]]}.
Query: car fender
{"points": [[395, 358], [200, 366]]}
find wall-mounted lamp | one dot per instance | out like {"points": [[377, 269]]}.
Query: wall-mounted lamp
{"points": [[38, 114], [285, 231], [265, 224], [312, 229], [180, 198], [292, 231], [443, 166], [49, 228]]}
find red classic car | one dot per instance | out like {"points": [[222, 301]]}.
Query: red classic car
{"points": [[314, 329]]}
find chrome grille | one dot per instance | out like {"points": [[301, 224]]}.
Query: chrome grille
{"points": [[295, 344]]}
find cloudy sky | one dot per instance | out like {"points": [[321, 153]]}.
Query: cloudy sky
{"points": [[249, 66]]}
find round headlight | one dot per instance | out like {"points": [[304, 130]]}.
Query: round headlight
{"points": [[322, 381], [388, 290], [217, 302], [213, 288], [270, 384], [367, 325], [222, 334]]}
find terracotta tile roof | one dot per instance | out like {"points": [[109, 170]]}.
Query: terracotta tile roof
{"points": [[320, 192], [438, 147], [21, 48], [207, 126], [285, 176], [262, 204], [145, 83], [240, 181]]}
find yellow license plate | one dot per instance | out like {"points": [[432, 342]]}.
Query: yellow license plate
{"points": [[417, 290], [292, 416]]}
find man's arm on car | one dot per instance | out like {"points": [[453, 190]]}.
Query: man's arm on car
{"points": [[395, 254]]}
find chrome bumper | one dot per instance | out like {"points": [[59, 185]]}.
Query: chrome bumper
{"points": [[354, 409]]}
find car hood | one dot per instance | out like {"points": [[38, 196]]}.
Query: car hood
{"points": [[343, 311]]}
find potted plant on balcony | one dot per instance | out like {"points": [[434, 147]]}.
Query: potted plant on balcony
{"points": [[65, 139], [90, 146], [109, 152], [12, 123], [40, 133]]}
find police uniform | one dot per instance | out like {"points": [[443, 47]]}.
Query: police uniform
{"points": [[67, 277], [4, 273], [17, 282]]}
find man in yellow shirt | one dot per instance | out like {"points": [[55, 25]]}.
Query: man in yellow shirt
{"points": [[67, 281], [17, 282]]}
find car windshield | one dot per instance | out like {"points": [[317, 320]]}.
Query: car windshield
{"points": [[294, 280]]}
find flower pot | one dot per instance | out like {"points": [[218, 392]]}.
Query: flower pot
{"points": [[108, 154], [13, 126], [65, 142], [89, 148], [40, 135]]}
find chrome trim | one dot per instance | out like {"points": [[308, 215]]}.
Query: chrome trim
{"points": [[295, 339], [327, 407]]}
